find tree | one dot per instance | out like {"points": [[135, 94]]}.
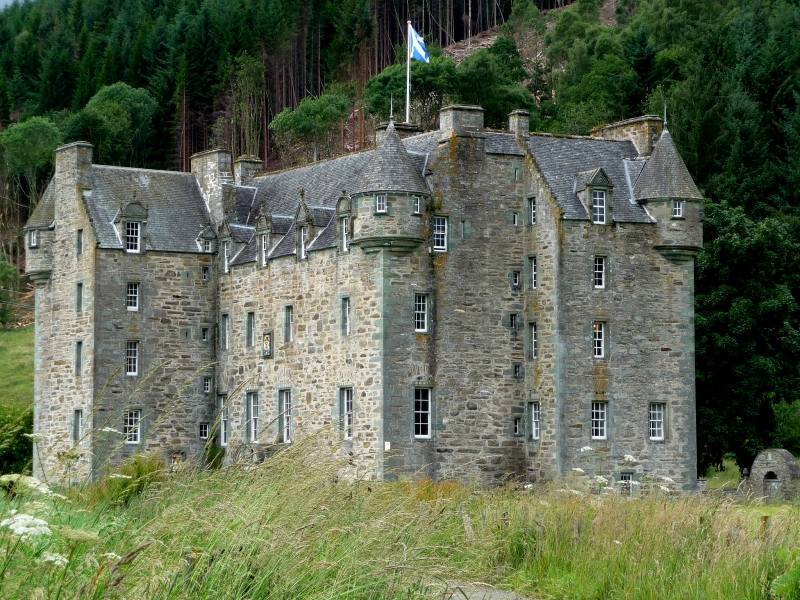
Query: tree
{"points": [[28, 149], [9, 284], [248, 83]]}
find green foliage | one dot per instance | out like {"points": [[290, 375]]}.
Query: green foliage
{"points": [[354, 26], [16, 398], [9, 285], [16, 446], [28, 149], [787, 421], [118, 122], [525, 17], [787, 585], [130, 479]]}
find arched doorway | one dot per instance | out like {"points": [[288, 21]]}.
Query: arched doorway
{"points": [[771, 484]]}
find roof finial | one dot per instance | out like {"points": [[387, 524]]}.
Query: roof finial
{"points": [[665, 114], [391, 108], [302, 194]]}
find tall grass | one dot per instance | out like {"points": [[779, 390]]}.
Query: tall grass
{"points": [[291, 528], [16, 367]]}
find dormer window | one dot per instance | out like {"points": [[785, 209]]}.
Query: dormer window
{"points": [[599, 207], [207, 246], [677, 209], [264, 248], [417, 205], [132, 237], [381, 204], [344, 229], [303, 243]]}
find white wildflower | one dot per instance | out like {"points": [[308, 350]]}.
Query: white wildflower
{"points": [[55, 558], [587, 449], [578, 470], [601, 479], [10, 478], [119, 476], [26, 525], [111, 430], [663, 488], [634, 483], [36, 505], [36, 485], [528, 486], [629, 458], [59, 496], [618, 543], [112, 556], [544, 503], [667, 479], [35, 437], [576, 492]]}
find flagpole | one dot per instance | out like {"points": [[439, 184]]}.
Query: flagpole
{"points": [[408, 75]]}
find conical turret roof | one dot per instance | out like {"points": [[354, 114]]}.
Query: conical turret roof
{"points": [[665, 174], [390, 169]]}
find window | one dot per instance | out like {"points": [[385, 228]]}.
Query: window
{"points": [[345, 316], [345, 232], [223, 332], [288, 324], [264, 245], [203, 431], [518, 429], [599, 415], [417, 205], [517, 372], [515, 219], [303, 242], [532, 266], [599, 272], [33, 238], [677, 209], [207, 384], [422, 413], [132, 358], [132, 296], [657, 410], [206, 273], [536, 420], [78, 297], [598, 337], [346, 402], [250, 330], [207, 246], [599, 207], [79, 241], [440, 234], [223, 420], [420, 312], [533, 341], [513, 321], [77, 425], [626, 477], [226, 257], [380, 204], [131, 237], [517, 173], [131, 426], [204, 334], [78, 359], [515, 279], [285, 416], [252, 416], [532, 210]]}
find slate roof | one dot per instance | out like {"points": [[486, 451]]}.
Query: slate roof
{"points": [[45, 211], [560, 158], [245, 199], [390, 168], [241, 234], [326, 239], [665, 175], [177, 212], [503, 143], [423, 143]]}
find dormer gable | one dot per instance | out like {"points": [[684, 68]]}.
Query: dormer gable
{"points": [[131, 224], [206, 240], [263, 236], [595, 191], [304, 227]]}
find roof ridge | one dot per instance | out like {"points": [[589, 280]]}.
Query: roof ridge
{"points": [[185, 173], [312, 164]]}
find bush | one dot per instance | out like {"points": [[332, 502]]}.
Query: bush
{"points": [[16, 448], [130, 479]]}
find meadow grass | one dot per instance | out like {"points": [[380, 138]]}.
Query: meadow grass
{"points": [[291, 528], [16, 366]]}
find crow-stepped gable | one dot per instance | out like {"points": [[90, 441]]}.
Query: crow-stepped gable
{"points": [[461, 303]]}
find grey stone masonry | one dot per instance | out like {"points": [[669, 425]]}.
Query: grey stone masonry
{"points": [[462, 303]]}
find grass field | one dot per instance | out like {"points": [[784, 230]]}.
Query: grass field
{"points": [[16, 366]]}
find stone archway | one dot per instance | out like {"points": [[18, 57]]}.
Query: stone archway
{"points": [[775, 475]]}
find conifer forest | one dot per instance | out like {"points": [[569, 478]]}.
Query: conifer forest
{"points": [[151, 82]]}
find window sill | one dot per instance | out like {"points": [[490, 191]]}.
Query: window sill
{"points": [[133, 309], [677, 218]]}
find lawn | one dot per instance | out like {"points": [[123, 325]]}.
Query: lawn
{"points": [[16, 366]]}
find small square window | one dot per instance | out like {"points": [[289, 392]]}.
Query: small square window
{"points": [[33, 238], [517, 372], [207, 384], [677, 209], [518, 428], [381, 204], [204, 428], [204, 334], [206, 273], [440, 234], [516, 277]]}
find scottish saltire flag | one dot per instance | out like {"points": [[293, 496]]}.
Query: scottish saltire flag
{"points": [[418, 49]]}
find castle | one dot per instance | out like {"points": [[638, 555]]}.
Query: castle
{"points": [[462, 303]]}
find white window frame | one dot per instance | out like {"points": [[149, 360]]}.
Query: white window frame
{"points": [[516, 279], [77, 425], [264, 246], [517, 173], [224, 421], [599, 420], [285, 416], [226, 257], [417, 206], [207, 247], [532, 210], [133, 237], [535, 412], [203, 431], [657, 419], [421, 313], [515, 219], [519, 427], [533, 333], [132, 296], [440, 234], [599, 277], [304, 242], [132, 357], [132, 426], [33, 238], [677, 209], [79, 358], [204, 334], [534, 267], [250, 330], [288, 324], [223, 326], [346, 316], [423, 413], [347, 408], [205, 273], [344, 232], [381, 204], [598, 339], [598, 207], [207, 384], [252, 416], [513, 321]]}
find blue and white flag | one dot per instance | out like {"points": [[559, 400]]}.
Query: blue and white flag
{"points": [[418, 49]]}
